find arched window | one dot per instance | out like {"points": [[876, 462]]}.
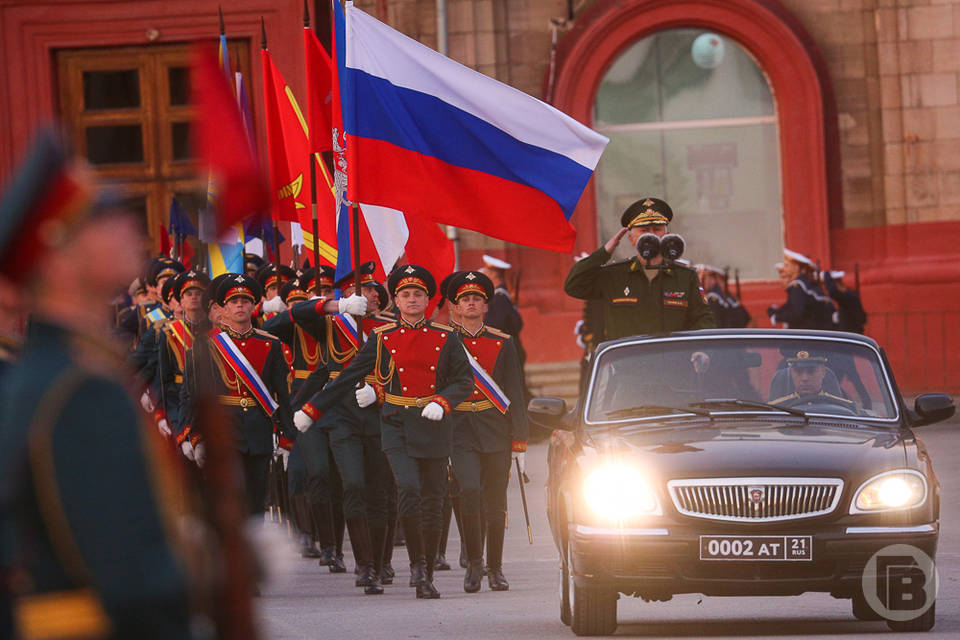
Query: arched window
{"points": [[691, 119], [631, 70]]}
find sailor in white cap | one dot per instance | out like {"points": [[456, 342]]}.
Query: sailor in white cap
{"points": [[710, 281], [502, 313], [850, 313], [806, 307]]}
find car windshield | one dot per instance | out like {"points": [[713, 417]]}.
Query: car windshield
{"points": [[783, 376]]}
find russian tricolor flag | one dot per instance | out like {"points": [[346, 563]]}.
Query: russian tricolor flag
{"points": [[430, 137]]}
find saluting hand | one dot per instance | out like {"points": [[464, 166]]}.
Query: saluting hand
{"points": [[612, 243]]}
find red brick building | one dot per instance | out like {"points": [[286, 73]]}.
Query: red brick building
{"points": [[839, 138]]}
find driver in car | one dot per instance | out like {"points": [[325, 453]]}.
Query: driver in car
{"points": [[807, 374]]}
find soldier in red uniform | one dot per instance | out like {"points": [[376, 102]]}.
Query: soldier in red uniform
{"points": [[487, 427], [420, 373], [249, 372]]}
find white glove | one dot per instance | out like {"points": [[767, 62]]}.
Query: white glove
{"points": [[273, 305], [146, 402], [522, 457], [187, 450], [200, 454], [432, 411], [164, 428], [354, 305], [366, 396], [302, 421], [284, 455]]}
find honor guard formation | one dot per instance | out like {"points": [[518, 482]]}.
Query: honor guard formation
{"points": [[334, 406]]}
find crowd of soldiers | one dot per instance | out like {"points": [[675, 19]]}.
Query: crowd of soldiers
{"points": [[348, 405]]}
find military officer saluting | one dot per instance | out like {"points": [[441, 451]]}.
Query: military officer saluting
{"points": [[83, 505], [421, 373], [487, 427], [639, 299], [248, 370]]}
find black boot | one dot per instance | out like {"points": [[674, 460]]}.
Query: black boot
{"points": [[387, 574], [495, 579], [322, 520], [370, 580], [362, 554], [338, 565], [473, 577], [378, 543], [473, 544], [431, 542], [414, 535], [458, 516], [442, 564]]}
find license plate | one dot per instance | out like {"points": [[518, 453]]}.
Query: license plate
{"points": [[790, 548]]}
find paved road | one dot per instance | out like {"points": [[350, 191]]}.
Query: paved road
{"points": [[305, 601]]}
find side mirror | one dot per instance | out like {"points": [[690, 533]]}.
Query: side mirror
{"points": [[548, 412], [932, 407]]}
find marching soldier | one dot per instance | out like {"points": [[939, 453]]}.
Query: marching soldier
{"points": [[176, 339], [324, 487], [637, 299], [249, 371], [311, 518], [353, 432], [93, 564], [487, 427], [421, 373]]}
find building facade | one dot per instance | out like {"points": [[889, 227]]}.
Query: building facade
{"points": [[827, 126]]}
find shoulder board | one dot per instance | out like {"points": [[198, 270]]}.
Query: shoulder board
{"points": [[385, 327], [784, 398], [440, 326], [265, 334], [498, 333], [383, 317], [830, 395], [618, 263], [682, 267]]}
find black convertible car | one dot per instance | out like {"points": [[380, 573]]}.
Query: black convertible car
{"points": [[743, 462]]}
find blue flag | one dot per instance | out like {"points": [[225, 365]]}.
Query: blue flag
{"points": [[179, 221]]}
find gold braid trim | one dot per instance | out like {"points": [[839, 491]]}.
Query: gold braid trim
{"points": [[311, 359]]}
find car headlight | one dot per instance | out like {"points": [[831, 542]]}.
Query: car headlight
{"points": [[618, 492], [890, 491]]}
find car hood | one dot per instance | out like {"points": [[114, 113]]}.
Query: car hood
{"points": [[756, 448]]}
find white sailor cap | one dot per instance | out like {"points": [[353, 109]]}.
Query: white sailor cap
{"points": [[710, 268], [798, 258], [837, 275], [496, 263]]}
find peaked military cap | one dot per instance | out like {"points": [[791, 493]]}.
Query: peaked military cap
{"points": [[187, 280], [292, 292], [166, 291], [646, 211], [238, 285], [46, 199], [803, 357], [210, 297], [163, 268], [252, 262], [464, 282], [307, 278], [411, 275], [366, 276], [444, 285], [267, 275]]}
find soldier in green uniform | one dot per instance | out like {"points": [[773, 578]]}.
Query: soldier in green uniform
{"points": [[659, 297], [83, 496]]}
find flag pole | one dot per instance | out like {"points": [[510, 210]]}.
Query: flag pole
{"points": [[276, 226], [313, 183]]}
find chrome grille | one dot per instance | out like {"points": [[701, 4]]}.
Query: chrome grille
{"points": [[755, 499]]}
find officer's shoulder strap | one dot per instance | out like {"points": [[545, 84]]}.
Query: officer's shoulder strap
{"points": [[498, 333], [440, 326], [385, 327], [265, 334], [618, 263], [789, 396], [830, 395]]}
